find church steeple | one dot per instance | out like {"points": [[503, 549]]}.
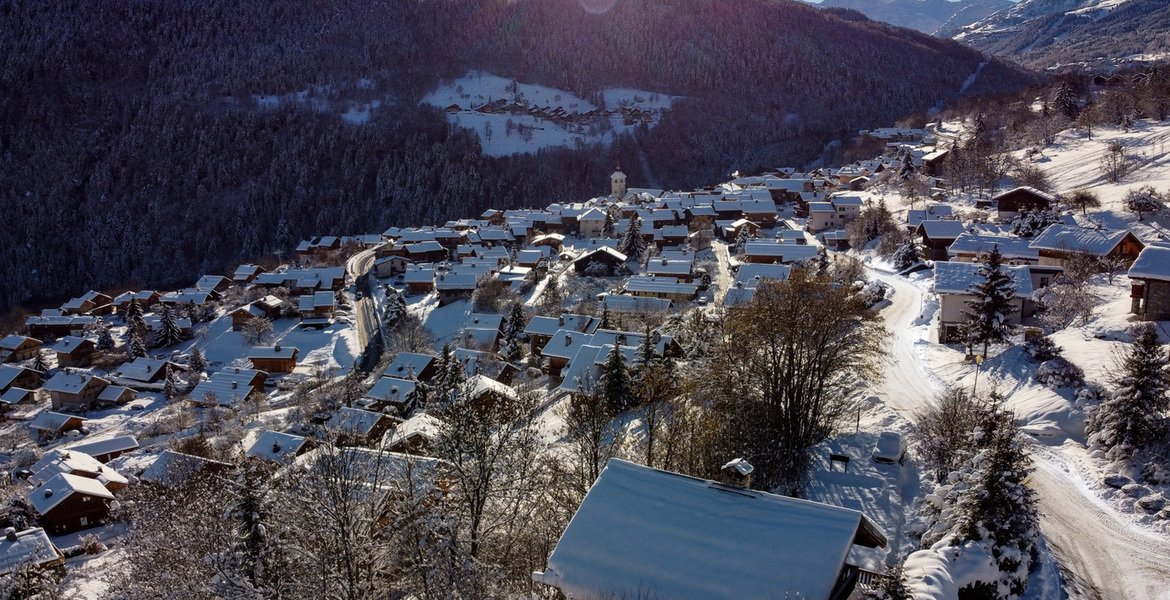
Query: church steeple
{"points": [[617, 183]]}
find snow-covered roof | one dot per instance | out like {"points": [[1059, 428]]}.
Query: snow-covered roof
{"points": [[173, 468], [71, 343], [1010, 246], [78, 463], [621, 303], [354, 421], [1028, 189], [12, 342], [141, 369], [1066, 238], [59, 487], [549, 325], [121, 443], [276, 446], [644, 530], [391, 389], [1152, 263], [47, 420], [408, 362], [958, 277], [941, 230], [28, 547], [751, 274], [71, 383], [420, 424], [9, 373]]}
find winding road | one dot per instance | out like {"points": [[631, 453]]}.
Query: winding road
{"points": [[1103, 556]]}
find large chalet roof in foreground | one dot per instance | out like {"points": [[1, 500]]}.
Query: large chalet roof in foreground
{"points": [[642, 532]]}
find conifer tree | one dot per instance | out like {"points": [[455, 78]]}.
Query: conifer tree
{"points": [[169, 333], [741, 241], [170, 387], [608, 229], [987, 316], [448, 377], [552, 296], [133, 317], [646, 355], [196, 363], [137, 347], [40, 363], [105, 341], [633, 245], [615, 381], [989, 504], [604, 324], [1131, 419], [907, 255]]}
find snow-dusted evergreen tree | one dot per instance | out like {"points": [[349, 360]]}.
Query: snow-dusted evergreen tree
{"points": [[614, 383], [604, 323], [196, 364], [134, 316], [105, 341], [988, 314], [170, 386], [609, 228], [987, 503], [907, 255], [892, 586], [448, 377], [40, 363], [136, 347], [1066, 101], [632, 244], [1132, 418], [646, 354], [395, 307], [169, 333], [742, 240]]}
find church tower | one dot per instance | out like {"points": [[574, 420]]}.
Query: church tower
{"points": [[617, 183]]}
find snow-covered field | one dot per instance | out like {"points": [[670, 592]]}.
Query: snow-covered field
{"points": [[531, 128]]}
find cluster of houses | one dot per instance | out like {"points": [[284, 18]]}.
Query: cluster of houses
{"points": [[630, 115]]}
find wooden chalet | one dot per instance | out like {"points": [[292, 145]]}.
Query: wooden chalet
{"points": [[1059, 242], [75, 391], [68, 503], [1011, 203], [269, 307], [15, 348], [937, 236], [275, 359], [75, 351], [49, 425], [1150, 290], [12, 376]]}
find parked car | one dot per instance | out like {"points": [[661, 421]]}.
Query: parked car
{"points": [[890, 448]]}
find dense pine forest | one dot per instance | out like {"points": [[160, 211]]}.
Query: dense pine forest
{"points": [[134, 151]]}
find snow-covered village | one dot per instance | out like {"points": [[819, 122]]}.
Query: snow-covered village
{"points": [[936, 372]]}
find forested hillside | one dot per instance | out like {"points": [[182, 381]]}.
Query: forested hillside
{"points": [[144, 142]]}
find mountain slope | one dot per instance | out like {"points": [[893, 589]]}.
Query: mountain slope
{"points": [[928, 16], [1050, 33], [145, 141]]}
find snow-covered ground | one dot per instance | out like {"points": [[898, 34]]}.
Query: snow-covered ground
{"points": [[528, 130]]}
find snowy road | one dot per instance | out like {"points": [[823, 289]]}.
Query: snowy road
{"points": [[907, 384], [1102, 554]]}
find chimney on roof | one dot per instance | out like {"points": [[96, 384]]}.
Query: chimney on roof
{"points": [[561, 320], [10, 534], [234, 385], [277, 348], [568, 339], [276, 447], [737, 474]]}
